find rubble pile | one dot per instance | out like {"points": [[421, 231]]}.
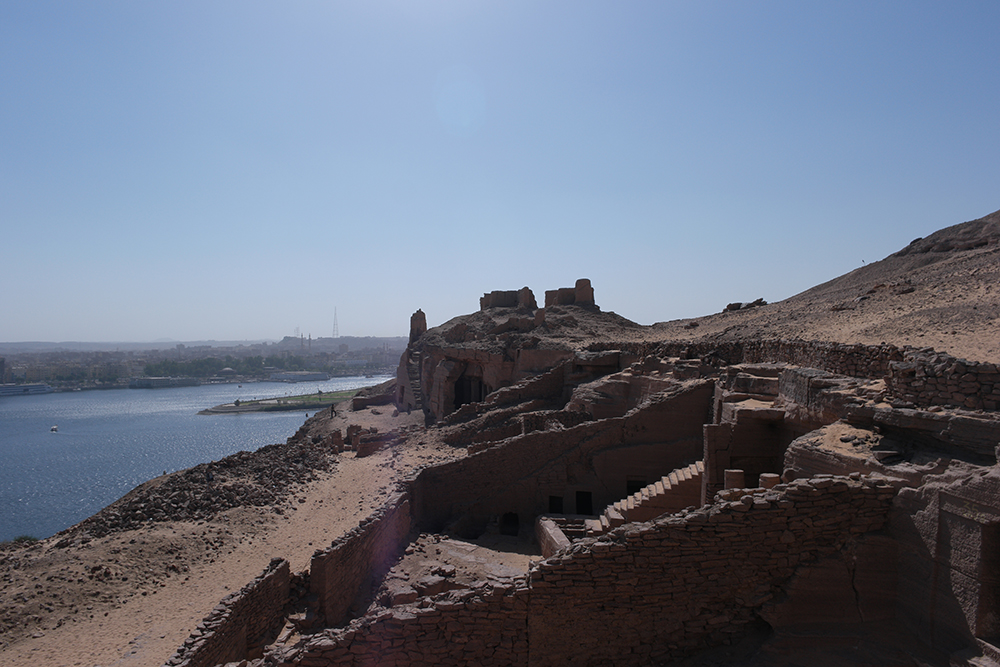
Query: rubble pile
{"points": [[245, 479]]}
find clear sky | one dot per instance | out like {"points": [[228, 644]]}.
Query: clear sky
{"points": [[234, 170]]}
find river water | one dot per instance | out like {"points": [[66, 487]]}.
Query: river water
{"points": [[108, 442]]}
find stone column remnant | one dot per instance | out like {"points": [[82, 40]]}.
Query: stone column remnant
{"points": [[735, 479], [418, 325], [769, 480]]}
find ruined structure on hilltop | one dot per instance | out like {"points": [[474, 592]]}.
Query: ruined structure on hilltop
{"points": [[812, 498]]}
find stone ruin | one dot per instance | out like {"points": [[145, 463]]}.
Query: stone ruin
{"points": [[582, 294], [681, 497], [522, 298]]}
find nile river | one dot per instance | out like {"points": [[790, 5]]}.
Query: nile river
{"points": [[110, 441]]}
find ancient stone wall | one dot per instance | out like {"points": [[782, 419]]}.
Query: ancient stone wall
{"points": [[362, 402], [581, 294], [242, 624], [543, 386], [485, 625], [372, 441], [339, 574], [925, 377], [867, 361], [645, 593], [921, 376], [656, 592], [520, 474], [522, 298]]}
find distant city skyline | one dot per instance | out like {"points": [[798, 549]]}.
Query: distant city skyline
{"points": [[230, 171]]}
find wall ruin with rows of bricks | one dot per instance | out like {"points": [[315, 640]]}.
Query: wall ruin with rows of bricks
{"points": [[483, 626], [644, 593], [242, 624], [867, 361], [346, 569], [520, 473], [925, 377], [919, 375]]}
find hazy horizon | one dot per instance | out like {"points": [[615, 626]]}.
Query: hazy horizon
{"points": [[229, 170]]}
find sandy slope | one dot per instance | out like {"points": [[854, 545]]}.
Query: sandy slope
{"points": [[142, 621], [949, 301]]}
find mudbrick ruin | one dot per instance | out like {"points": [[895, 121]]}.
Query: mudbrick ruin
{"points": [[696, 493], [680, 496]]}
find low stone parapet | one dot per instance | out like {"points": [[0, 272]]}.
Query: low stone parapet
{"points": [[242, 624]]}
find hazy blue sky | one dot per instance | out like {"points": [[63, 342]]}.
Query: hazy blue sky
{"points": [[234, 170]]}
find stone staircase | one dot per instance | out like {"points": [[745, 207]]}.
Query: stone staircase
{"points": [[672, 493], [413, 372]]}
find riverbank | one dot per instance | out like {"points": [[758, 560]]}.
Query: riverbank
{"points": [[317, 401], [136, 594]]}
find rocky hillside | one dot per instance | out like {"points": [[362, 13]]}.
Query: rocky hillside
{"points": [[942, 291]]}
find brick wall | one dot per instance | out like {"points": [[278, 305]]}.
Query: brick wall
{"points": [[644, 593], [242, 624], [485, 625], [520, 473], [925, 377], [919, 375], [346, 569]]}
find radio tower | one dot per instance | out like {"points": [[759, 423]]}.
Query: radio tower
{"points": [[336, 330]]}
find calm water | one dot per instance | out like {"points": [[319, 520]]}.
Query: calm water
{"points": [[111, 441]]}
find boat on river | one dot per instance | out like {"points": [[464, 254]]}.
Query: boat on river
{"points": [[25, 389]]}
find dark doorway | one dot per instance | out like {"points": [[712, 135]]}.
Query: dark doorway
{"points": [[634, 485], [469, 390], [555, 505], [584, 502], [509, 524]]}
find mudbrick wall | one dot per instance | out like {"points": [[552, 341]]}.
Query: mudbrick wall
{"points": [[644, 593], [366, 553], [242, 624]]}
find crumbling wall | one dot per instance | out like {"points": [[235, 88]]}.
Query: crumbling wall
{"points": [[520, 474], [921, 376], [485, 625], [339, 574], [645, 593], [867, 361], [362, 402], [582, 294], [545, 386], [522, 298], [656, 592], [926, 377], [242, 624]]}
